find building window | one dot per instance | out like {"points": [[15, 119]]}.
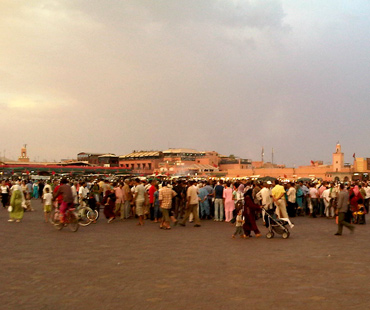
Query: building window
{"points": [[150, 166], [132, 166], [144, 165], [138, 166]]}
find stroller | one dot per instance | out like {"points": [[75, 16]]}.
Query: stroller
{"points": [[275, 225], [359, 216]]}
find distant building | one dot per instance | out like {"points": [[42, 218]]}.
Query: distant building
{"points": [[24, 158], [182, 155], [234, 163], [338, 159], [190, 162], [141, 162], [108, 160], [91, 158]]}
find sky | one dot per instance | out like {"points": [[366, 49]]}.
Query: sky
{"points": [[229, 76]]}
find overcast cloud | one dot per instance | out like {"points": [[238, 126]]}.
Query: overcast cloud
{"points": [[223, 75]]}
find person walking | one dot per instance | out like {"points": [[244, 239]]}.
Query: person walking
{"points": [[16, 204], [249, 213], [120, 200], [239, 225], [191, 205], [342, 209], [35, 190]]}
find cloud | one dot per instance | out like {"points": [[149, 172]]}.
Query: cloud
{"points": [[224, 75]]}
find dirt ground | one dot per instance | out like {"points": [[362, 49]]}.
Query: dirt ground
{"points": [[123, 266]]}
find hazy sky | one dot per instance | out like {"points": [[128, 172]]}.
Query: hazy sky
{"points": [[225, 75]]}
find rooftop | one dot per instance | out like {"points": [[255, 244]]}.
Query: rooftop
{"points": [[108, 155], [91, 154], [178, 151], [142, 154]]}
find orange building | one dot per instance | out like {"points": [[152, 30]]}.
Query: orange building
{"points": [[142, 162]]}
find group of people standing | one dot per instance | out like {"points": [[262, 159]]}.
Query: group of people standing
{"points": [[176, 202]]}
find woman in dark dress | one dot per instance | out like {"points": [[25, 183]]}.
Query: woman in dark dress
{"points": [[41, 189], [250, 209], [109, 202]]}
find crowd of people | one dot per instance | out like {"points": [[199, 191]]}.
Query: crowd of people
{"points": [[181, 201]]}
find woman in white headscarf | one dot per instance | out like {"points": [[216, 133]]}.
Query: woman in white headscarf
{"points": [[16, 204]]}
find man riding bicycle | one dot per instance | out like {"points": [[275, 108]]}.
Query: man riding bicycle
{"points": [[67, 198], [83, 193]]}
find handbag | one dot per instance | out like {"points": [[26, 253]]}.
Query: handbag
{"points": [[10, 209]]}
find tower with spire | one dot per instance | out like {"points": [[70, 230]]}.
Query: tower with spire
{"points": [[24, 157], [338, 158]]}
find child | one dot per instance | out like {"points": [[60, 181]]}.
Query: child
{"points": [[239, 225], [28, 202], [47, 197]]}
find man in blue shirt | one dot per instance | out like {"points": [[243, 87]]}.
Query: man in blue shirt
{"points": [[305, 191]]}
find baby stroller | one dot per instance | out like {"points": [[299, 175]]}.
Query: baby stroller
{"points": [[359, 216], [276, 225]]}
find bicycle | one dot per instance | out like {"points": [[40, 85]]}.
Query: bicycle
{"points": [[70, 219], [86, 215]]}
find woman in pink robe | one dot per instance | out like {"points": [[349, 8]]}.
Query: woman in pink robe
{"points": [[229, 202]]}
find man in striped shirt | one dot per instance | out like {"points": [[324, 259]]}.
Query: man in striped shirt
{"points": [[165, 201]]}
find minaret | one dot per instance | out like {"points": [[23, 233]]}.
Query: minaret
{"points": [[338, 159], [23, 156]]}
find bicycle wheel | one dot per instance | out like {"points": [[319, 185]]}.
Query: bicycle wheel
{"points": [[73, 222], [92, 215], [54, 215], [55, 219], [83, 218]]}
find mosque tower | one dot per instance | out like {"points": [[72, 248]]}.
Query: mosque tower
{"points": [[24, 157], [338, 159]]}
